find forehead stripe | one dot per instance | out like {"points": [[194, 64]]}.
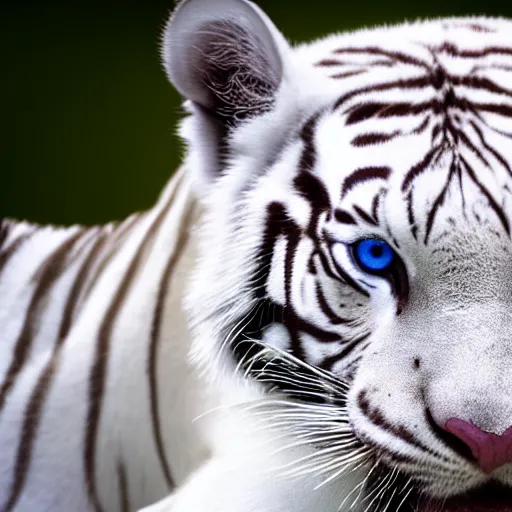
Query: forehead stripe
{"points": [[364, 174]]}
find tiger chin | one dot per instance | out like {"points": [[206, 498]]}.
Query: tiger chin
{"points": [[355, 258], [347, 205]]}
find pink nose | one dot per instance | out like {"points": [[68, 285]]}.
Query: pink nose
{"points": [[490, 450]]}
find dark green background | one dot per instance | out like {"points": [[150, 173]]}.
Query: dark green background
{"points": [[87, 117]]}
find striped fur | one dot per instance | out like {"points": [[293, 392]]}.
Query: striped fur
{"points": [[68, 315], [224, 351]]}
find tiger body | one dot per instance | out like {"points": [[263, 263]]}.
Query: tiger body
{"points": [[225, 349], [67, 314]]}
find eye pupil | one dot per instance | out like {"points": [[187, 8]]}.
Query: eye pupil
{"points": [[376, 251], [373, 255]]}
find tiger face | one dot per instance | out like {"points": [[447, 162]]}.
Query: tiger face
{"points": [[356, 242]]}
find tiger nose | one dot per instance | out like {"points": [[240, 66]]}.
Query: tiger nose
{"points": [[490, 451]]}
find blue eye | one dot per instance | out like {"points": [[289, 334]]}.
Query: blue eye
{"points": [[373, 255]]}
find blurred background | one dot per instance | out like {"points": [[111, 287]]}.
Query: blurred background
{"points": [[87, 118]]}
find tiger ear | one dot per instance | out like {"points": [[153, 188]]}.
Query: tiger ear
{"points": [[224, 56]]}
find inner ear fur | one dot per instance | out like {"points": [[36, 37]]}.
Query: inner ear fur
{"points": [[223, 56]]}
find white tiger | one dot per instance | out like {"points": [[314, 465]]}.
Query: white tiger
{"points": [[342, 226]]}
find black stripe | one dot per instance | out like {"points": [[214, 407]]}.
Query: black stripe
{"points": [[78, 286], [5, 228], [362, 175], [116, 238], [163, 291], [12, 249], [410, 215], [371, 139], [368, 110], [276, 223], [479, 82], [419, 168], [501, 159], [307, 135], [393, 55], [474, 27], [421, 127], [294, 238], [292, 321], [45, 277], [328, 266], [365, 216], [376, 417], [329, 63], [348, 74], [419, 82], [124, 497], [451, 49], [492, 202], [344, 217], [464, 139], [327, 260], [375, 205], [501, 109], [328, 363], [33, 412], [98, 374], [313, 190], [333, 317]]}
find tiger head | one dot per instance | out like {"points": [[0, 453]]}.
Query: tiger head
{"points": [[356, 250]]}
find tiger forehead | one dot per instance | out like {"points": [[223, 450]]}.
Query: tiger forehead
{"points": [[453, 43], [427, 122], [415, 185]]}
